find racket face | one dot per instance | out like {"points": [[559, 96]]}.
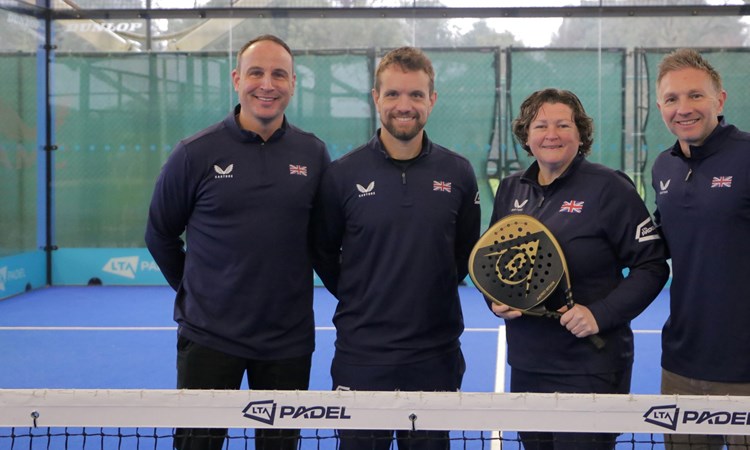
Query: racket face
{"points": [[517, 262]]}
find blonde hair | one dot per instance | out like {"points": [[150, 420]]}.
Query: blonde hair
{"points": [[687, 58]]}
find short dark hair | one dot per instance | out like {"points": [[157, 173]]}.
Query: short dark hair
{"points": [[530, 107], [263, 37], [687, 58], [409, 59]]}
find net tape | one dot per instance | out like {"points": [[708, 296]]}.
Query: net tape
{"points": [[470, 411]]}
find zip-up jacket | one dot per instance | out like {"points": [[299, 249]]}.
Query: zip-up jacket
{"points": [[244, 279], [703, 207], [392, 245], [603, 228]]}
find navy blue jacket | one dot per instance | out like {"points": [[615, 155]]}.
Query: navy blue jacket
{"points": [[245, 284], [603, 227], [392, 246], [703, 206]]}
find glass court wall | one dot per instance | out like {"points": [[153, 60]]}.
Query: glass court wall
{"points": [[95, 95]]}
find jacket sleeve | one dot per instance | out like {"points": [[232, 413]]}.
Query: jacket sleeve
{"points": [[641, 249], [168, 214], [468, 224], [326, 233]]}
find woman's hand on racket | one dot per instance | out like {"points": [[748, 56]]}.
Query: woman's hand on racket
{"points": [[505, 311], [579, 320]]}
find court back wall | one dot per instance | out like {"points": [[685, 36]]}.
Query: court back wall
{"points": [[117, 117]]}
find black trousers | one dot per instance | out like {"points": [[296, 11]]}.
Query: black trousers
{"points": [[442, 373], [607, 383], [199, 367]]}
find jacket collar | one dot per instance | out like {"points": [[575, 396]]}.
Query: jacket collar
{"points": [[378, 144], [709, 146], [232, 124], [531, 175]]}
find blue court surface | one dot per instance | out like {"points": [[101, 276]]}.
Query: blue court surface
{"points": [[110, 337]]}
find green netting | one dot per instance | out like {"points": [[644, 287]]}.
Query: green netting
{"points": [[332, 99], [464, 115], [118, 116], [597, 78], [18, 157]]}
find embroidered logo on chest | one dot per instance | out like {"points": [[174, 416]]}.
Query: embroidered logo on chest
{"points": [[721, 182], [572, 206], [223, 173], [295, 169], [441, 186], [366, 191]]}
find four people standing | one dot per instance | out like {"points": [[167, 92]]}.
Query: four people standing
{"points": [[390, 227]]}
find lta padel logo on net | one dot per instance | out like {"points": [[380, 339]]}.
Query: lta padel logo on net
{"points": [[663, 416], [670, 417], [265, 411]]}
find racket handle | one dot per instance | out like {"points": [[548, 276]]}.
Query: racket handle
{"points": [[595, 339]]}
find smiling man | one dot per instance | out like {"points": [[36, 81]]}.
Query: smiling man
{"points": [[264, 80], [242, 191], [397, 220], [702, 186]]}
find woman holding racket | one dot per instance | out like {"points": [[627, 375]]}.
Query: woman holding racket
{"points": [[603, 227]]}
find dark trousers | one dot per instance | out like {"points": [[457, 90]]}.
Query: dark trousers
{"points": [[607, 383], [443, 373], [199, 367], [671, 383]]}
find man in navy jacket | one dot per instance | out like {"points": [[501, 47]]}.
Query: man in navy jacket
{"points": [[702, 186], [242, 191], [397, 220]]}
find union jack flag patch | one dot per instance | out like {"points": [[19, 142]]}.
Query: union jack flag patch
{"points": [[297, 170], [572, 207], [720, 182], [441, 186]]}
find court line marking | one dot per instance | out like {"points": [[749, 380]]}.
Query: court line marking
{"points": [[88, 328], [496, 442], [173, 328]]}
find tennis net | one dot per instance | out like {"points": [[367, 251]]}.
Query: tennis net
{"points": [[148, 419]]}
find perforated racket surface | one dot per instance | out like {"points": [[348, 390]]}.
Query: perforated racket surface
{"points": [[517, 262]]}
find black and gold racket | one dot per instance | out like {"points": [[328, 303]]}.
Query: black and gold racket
{"points": [[518, 262]]}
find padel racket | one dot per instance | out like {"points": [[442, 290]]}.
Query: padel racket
{"points": [[518, 262]]}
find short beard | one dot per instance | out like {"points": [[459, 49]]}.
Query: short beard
{"points": [[406, 135]]}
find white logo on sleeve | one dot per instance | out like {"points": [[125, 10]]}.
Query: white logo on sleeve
{"points": [[664, 186], [646, 231]]}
